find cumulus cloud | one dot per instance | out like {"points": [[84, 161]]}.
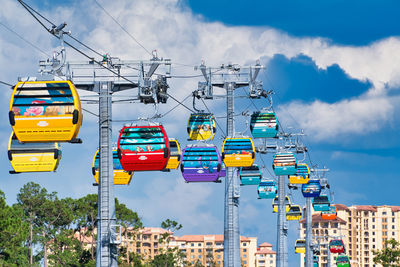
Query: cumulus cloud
{"points": [[186, 38], [324, 121]]}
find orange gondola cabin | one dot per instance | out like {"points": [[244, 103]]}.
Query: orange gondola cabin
{"points": [[143, 148]]}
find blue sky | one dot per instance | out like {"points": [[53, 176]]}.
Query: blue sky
{"points": [[332, 64], [347, 22]]}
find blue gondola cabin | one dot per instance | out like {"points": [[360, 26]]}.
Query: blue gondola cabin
{"points": [[284, 163], [267, 189], [264, 125], [250, 175]]}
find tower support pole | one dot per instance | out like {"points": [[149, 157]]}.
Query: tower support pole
{"points": [[309, 247], [232, 194], [106, 221], [282, 255]]}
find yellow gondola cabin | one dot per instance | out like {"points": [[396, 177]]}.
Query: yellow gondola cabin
{"points": [[294, 213], [33, 157], [45, 111], [238, 152], [302, 175], [275, 204], [175, 155], [121, 177]]}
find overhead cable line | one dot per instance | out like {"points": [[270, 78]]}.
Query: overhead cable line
{"points": [[162, 115], [28, 8], [31, 44], [88, 111], [216, 121], [191, 76], [31, 11], [130, 35], [79, 42], [5, 83], [181, 103], [165, 114]]}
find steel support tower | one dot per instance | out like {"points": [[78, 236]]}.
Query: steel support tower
{"points": [[309, 245], [282, 224], [282, 233], [105, 78], [232, 193], [230, 77]]}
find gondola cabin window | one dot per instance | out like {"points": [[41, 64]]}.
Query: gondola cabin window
{"points": [[43, 100]]}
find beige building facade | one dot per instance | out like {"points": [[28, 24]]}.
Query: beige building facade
{"points": [[205, 249], [265, 256], [362, 228]]}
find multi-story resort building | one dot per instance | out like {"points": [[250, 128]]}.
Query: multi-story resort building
{"points": [[207, 250], [265, 256], [362, 229]]}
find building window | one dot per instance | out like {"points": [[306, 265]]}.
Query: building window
{"points": [[244, 244], [192, 244], [199, 244], [373, 219], [244, 250], [384, 213], [199, 256], [392, 220], [199, 250]]}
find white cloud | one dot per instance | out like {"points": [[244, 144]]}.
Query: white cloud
{"points": [[187, 39], [323, 121]]}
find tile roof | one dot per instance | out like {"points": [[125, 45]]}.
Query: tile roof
{"points": [[265, 251], [202, 238], [316, 218], [265, 244]]}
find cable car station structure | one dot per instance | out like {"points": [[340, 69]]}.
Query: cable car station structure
{"points": [[199, 162]]}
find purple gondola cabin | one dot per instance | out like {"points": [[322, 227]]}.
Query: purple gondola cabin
{"points": [[201, 163]]}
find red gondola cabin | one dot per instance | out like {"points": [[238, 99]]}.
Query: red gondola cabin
{"points": [[336, 246], [143, 148]]}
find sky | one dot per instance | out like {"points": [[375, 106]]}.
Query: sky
{"points": [[333, 65]]}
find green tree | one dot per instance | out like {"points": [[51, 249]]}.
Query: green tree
{"points": [[86, 216], [57, 217], [168, 257], [13, 235], [389, 256], [31, 198], [131, 223]]}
